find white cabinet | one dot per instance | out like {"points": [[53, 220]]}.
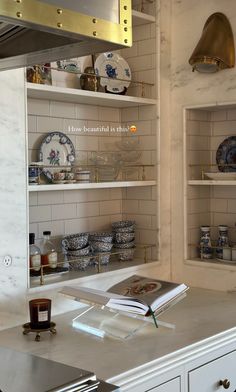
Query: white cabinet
{"points": [[216, 375], [170, 386]]}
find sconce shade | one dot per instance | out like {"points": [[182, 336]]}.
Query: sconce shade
{"points": [[215, 49]]}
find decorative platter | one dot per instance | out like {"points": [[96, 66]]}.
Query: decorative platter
{"points": [[56, 150], [110, 67], [226, 155], [224, 176]]}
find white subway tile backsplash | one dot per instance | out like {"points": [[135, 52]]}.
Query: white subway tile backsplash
{"points": [[99, 223], [147, 207], [87, 143], [146, 47], [40, 214], [73, 226], [224, 128], [142, 32], [63, 211], [49, 124], [75, 196], [98, 194], [130, 206], [38, 107], [33, 199], [45, 198], [231, 114], [130, 114], [111, 114], [32, 120], [62, 109], [84, 112], [219, 115], [57, 228], [115, 193], [87, 209], [110, 207], [144, 193], [219, 205]]}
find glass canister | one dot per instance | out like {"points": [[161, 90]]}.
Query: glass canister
{"points": [[205, 243], [223, 240]]}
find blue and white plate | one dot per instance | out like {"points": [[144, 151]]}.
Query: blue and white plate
{"points": [[110, 67], [56, 150], [226, 155]]}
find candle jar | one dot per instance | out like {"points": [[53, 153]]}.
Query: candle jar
{"points": [[40, 313]]}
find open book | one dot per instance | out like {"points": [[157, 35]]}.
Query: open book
{"points": [[136, 294]]}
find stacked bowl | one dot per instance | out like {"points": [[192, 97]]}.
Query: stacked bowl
{"points": [[75, 246], [101, 243], [124, 238]]}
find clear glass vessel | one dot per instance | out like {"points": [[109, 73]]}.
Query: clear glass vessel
{"points": [[34, 253], [49, 254]]}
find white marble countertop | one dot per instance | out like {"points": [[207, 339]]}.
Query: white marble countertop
{"points": [[201, 315]]}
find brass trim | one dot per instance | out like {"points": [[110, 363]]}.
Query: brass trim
{"points": [[63, 21]]}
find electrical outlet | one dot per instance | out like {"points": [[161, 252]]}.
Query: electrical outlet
{"points": [[7, 260]]}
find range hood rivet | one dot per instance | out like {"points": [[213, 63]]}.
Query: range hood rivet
{"points": [[125, 7], [59, 11], [95, 33], [125, 21], [125, 28], [125, 41], [94, 20], [19, 1], [19, 14], [59, 24]]}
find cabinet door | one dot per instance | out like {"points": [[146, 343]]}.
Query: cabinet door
{"points": [[217, 375], [170, 386]]}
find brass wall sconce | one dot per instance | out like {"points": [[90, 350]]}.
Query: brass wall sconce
{"points": [[215, 49]]}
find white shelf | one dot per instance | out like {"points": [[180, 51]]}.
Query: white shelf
{"points": [[140, 18], [212, 182], [91, 185], [62, 94]]}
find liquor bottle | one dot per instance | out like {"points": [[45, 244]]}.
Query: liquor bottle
{"points": [[223, 241], [205, 243], [34, 253], [49, 253]]}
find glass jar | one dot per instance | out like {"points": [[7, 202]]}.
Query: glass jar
{"points": [[49, 253], [223, 241], [205, 243], [34, 254]]}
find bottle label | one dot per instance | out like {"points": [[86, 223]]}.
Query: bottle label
{"points": [[43, 316], [35, 261], [52, 259]]}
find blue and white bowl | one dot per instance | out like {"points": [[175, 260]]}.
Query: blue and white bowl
{"points": [[101, 237], [98, 246], [75, 241], [123, 238], [124, 226]]}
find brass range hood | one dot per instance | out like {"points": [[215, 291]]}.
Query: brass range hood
{"points": [[38, 32]]}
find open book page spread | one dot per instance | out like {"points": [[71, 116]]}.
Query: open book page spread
{"points": [[154, 293], [136, 294]]}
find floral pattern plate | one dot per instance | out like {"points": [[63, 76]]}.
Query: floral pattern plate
{"points": [[56, 150], [226, 155], [113, 66]]}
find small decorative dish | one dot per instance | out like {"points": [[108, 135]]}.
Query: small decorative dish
{"points": [[101, 237], [221, 175], [56, 150], [127, 245], [75, 241], [114, 71], [125, 226], [122, 238]]}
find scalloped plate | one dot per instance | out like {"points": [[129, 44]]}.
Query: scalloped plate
{"points": [[56, 150]]}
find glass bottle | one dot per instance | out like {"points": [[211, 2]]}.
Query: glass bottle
{"points": [[34, 253], [223, 240], [205, 243], [49, 253]]}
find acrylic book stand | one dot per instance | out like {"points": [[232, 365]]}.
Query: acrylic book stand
{"points": [[102, 321]]}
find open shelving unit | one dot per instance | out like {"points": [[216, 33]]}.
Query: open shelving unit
{"points": [[62, 94], [91, 185]]}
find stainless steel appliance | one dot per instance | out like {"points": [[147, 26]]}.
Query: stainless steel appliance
{"points": [[27, 373], [41, 31]]}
